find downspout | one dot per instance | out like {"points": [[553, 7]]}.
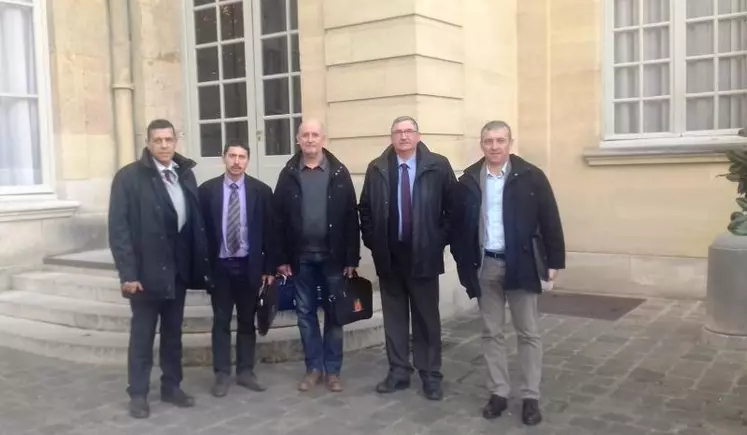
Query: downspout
{"points": [[122, 86]]}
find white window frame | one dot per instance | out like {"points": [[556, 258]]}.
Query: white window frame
{"points": [[44, 106], [678, 83]]}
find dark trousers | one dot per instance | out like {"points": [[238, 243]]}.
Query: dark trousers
{"points": [[323, 354], [401, 296], [145, 316], [233, 287]]}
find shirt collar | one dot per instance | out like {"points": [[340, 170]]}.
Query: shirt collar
{"points": [[228, 181], [172, 166], [323, 165], [410, 162], [504, 170]]}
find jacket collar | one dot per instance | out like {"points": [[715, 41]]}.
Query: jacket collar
{"points": [[182, 163], [335, 165], [517, 166], [424, 158]]}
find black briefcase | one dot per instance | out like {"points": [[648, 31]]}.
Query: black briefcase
{"points": [[353, 302], [540, 256], [267, 307]]}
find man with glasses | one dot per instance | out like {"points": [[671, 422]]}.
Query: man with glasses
{"points": [[405, 223]]}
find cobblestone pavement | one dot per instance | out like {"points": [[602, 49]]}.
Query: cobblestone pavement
{"points": [[643, 374]]}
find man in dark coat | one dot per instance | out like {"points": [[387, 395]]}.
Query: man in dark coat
{"points": [[317, 216], [405, 215], [505, 211], [237, 210], [157, 239]]}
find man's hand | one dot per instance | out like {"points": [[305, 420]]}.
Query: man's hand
{"points": [[349, 272], [552, 274], [285, 269], [132, 287], [268, 279]]}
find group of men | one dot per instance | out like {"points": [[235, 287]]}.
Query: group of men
{"points": [[233, 234]]}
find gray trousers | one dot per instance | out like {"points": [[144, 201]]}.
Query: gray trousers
{"points": [[525, 317]]}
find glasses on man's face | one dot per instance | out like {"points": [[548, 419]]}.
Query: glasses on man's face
{"points": [[408, 132]]}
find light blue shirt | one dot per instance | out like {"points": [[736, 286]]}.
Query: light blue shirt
{"points": [[495, 240], [244, 233], [411, 162]]}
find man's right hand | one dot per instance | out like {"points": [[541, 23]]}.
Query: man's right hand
{"points": [[132, 287], [285, 269]]}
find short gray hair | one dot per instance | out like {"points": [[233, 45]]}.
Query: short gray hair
{"points": [[399, 119], [496, 125]]}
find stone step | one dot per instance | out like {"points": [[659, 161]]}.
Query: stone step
{"points": [[103, 316], [107, 347]]}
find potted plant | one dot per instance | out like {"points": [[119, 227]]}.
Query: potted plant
{"points": [[738, 174]]}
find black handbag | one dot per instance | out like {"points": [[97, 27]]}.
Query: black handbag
{"points": [[267, 307], [540, 256], [353, 302]]}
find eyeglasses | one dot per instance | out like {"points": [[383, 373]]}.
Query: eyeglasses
{"points": [[408, 132]]}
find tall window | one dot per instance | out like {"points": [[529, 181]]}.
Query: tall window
{"points": [[675, 68], [248, 73], [22, 88]]}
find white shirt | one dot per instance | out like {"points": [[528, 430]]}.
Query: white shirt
{"points": [[495, 240], [175, 191]]}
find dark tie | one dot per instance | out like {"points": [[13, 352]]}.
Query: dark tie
{"points": [[233, 222], [168, 176], [406, 198]]}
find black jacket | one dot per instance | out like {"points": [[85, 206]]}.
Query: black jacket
{"points": [[263, 244], [528, 205], [433, 180], [343, 234], [143, 228]]}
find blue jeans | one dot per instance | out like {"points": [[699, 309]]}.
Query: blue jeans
{"points": [[324, 355]]}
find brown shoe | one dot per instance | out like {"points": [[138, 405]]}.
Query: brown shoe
{"points": [[310, 380], [334, 383]]}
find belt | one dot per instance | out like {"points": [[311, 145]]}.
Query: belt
{"points": [[232, 259], [498, 255]]}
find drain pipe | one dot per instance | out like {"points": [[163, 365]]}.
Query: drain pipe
{"points": [[122, 86]]}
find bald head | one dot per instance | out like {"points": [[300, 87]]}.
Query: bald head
{"points": [[311, 138]]}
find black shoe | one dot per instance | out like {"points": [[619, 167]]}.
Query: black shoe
{"points": [[530, 412], [139, 407], [432, 390], [222, 383], [495, 407], [178, 398], [249, 380], [390, 385]]}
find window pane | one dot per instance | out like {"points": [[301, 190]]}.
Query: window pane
{"points": [[276, 97], [656, 80], [17, 67], [296, 125], [656, 43], [277, 137], [699, 8], [732, 35], [700, 76], [203, 2], [626, 13], [656, 116], [294, 14], [211, 143], [207, 64], [732, 72], [237, 130], [732, 111], [275, 55], [273, 16], [731, 6], [19, 142], [234, 96], [231, 21], [700, 114], [206, 27], [626, 82], [234, 64], [700, 38], [626, 46], [295, 53], [209, 102], [297, 94], [626, 118], [655, 11]]}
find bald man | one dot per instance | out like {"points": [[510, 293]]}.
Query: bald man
{"points": [[317, 217]]}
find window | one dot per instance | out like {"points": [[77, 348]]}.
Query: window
{"points": [[676, 69], [23, 101], [247, 73]]}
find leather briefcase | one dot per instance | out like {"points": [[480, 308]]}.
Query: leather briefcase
{"points": [[353, 302]]}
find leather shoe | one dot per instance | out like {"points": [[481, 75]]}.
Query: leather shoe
{"points": [[530, 412], [433, 391], [222, 383], [179, 398], [390, 385], [249, 380], [310, 381], [495, 407], [139, 407]]}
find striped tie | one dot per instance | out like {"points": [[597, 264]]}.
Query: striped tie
{"points": [[233, 223]]}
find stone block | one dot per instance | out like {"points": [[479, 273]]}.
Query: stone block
{"points": [[343, 13], [377, 40]]}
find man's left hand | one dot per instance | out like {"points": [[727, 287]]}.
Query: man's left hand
{"points": [[552, 274], [268, 279], [349, 272]]}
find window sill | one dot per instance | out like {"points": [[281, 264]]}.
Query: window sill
{"points": [[611, 154], [30, 208]]}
